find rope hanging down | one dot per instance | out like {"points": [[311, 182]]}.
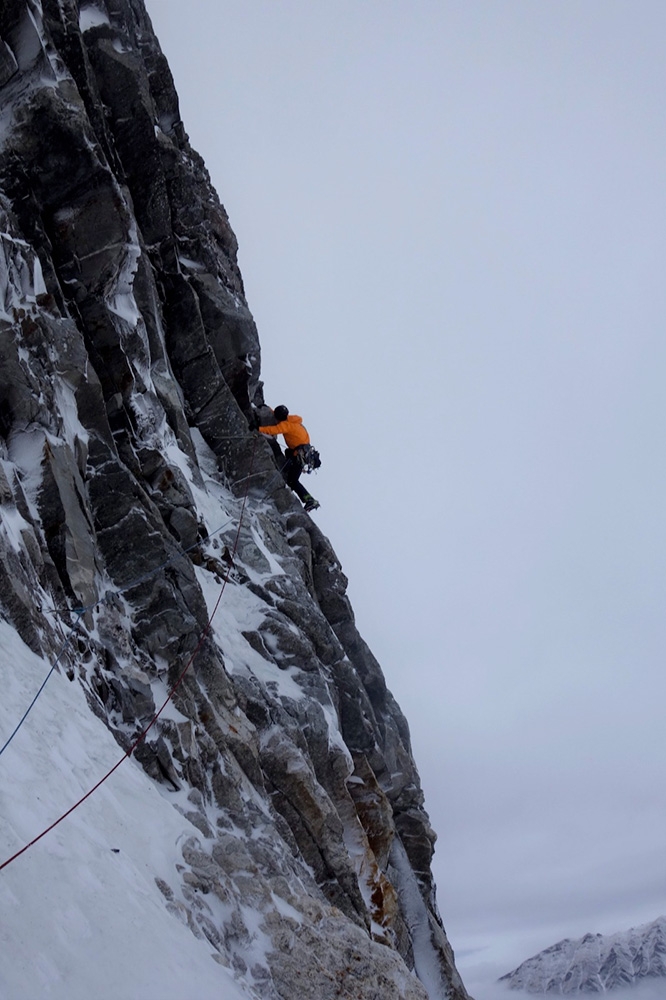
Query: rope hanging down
{"points": [[204, 635], [79, 612], [43, 684]]}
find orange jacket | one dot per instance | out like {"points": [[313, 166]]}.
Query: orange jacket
{"points": [[294, 432]]}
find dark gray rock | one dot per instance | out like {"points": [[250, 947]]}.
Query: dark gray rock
{"points": [[134, 492], [8, 64]]}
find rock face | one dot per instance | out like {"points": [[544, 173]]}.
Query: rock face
{"points": [[594, 963], [132, 487]]}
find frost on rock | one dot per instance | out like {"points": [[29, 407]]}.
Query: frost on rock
{"points": [[21, 279], [272, 814], [8, 64]]}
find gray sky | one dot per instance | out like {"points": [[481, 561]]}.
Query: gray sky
{"points": [[452, 229]]}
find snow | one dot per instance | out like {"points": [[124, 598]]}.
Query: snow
{"points": [[39, 285], [275, 567], [92, 17], [122, 301], [87, 918], [160, 695], [21, 278], [242, 611], [192, 265], [68, 414], [13, 524], [425, 959], [26, 450]]}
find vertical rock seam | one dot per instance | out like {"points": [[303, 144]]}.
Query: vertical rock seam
{"points": [[129, 369]]}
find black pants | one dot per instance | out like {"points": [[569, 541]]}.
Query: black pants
{"points": [[291, 470]]}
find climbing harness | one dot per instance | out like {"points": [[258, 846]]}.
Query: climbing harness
{"points": [[307, 457]]}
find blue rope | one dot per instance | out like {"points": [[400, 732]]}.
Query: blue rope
{"points": [[43, 685]]}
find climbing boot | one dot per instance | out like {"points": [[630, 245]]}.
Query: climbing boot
{"points": [[310, 503]]}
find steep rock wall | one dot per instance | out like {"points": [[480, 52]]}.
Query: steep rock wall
{"points": [[132, 487]]}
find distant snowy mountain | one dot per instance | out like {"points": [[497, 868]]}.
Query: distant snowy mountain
{"points": [[594, 963]]}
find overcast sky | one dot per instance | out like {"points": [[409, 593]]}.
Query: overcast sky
{"points": [[452, 229]]}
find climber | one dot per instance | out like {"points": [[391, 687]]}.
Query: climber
{"points": [[299, 453]]}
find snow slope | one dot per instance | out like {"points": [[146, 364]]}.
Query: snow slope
{"points": [[82, 915]]}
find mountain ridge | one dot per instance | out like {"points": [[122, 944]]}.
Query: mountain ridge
{"points": [[595, 963]]}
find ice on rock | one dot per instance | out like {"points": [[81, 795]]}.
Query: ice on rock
{"points": [[21, 278]]}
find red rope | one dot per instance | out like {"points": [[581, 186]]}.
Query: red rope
{"points": [[142, 736]]}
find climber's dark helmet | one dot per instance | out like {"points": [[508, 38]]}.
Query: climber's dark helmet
{"points": [[280, 413]]}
